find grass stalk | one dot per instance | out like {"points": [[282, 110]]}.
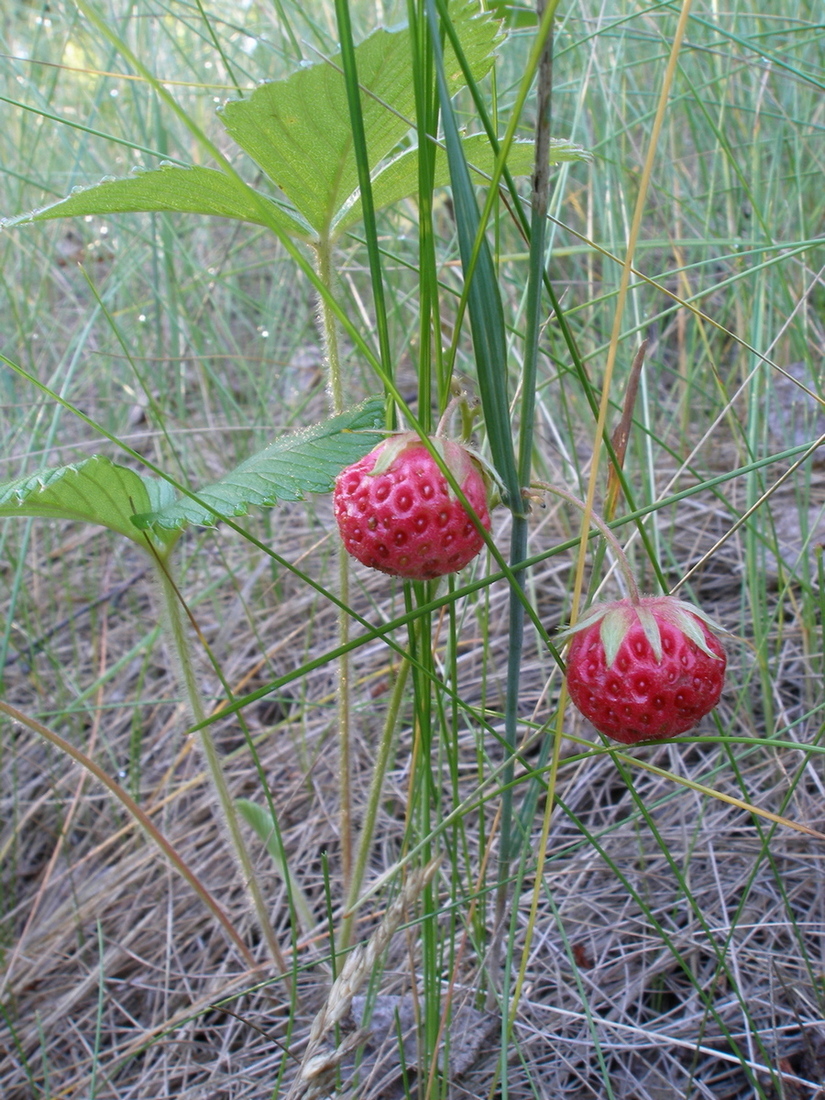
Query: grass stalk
{"points": [[518, 544], [138, 814]]}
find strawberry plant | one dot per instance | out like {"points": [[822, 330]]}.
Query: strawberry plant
{"points": [[331, 155]]}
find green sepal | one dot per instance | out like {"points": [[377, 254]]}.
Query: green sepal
{"points": [[684, 617], [591, 616], [456, 458], [616, 619], [391, 448], [651, 629], [613, 630]]}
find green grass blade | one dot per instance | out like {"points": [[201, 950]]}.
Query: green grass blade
{"points": [[364, 166], [484, 299]]}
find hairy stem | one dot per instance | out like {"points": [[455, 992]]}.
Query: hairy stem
{"points": [[172, 606], [335, 388], [373, 800], [610, 537]]}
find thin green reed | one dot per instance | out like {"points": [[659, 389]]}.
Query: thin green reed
{"points": [[429, 317], [489, 338], [359, 142], [490, 346]]}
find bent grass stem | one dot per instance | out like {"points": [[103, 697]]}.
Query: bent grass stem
{"points": [[141, 817], [373, 799]]}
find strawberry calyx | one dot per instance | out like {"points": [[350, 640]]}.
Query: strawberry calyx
{"points": [[457, 459], [618, 617]]}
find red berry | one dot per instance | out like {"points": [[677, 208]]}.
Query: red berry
{"points": [[649, 670], [397, 513]]}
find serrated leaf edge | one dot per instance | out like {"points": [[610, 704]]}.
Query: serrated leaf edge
{"points": [[281, 491]]}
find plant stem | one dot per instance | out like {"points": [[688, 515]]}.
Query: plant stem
{"points": [[518, 544], [329, 333], [335, 388], [607, 532], [373, 799], [172, 606]]}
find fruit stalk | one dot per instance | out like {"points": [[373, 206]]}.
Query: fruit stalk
{"points": [[607, 532]]}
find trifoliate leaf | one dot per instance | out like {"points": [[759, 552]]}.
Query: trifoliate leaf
{"points": [[298, 130]]}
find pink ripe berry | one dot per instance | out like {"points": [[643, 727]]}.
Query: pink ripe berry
{"points": [[397, 513], [646, 670]]}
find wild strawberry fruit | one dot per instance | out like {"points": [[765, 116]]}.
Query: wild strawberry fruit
{"points": [[645, 670], [396, 511]]}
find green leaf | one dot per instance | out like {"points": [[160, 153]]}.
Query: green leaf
{"points": [[192, 190], [197, 190], [96, 490], [514, 15], [306, 461], [261, 821], [298, 130], [398, 178]]}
